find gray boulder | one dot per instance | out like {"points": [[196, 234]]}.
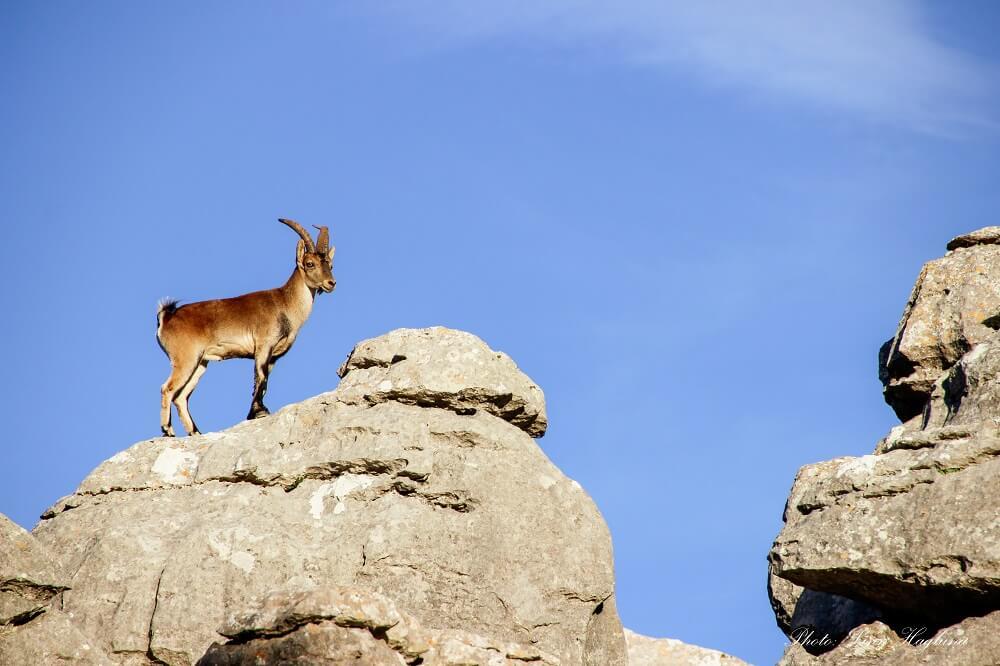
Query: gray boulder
{"points": [[440, 367], [417, 479], [916, 531]]}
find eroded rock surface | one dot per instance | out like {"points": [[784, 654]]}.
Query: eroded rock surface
{"points": [[33, 629], [646, 651], [908, 539], [441, 367], [345, 625], [972, 642], [430, 492], [943, 319]]}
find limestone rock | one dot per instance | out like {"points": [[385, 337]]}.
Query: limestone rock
{"points": [[645, 651], [917, 531], [441, 367], [32, 628], [345, 625], [984, 236], [446, 506], [909, 537], [972, 642], [29, 578], [942, 320], [800, 611], [966, 398], [50, 639]]}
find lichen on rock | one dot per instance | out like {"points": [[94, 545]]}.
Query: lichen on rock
{"points": [[878, 547]]}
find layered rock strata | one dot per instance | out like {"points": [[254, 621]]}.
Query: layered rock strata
{"points": [[904, 544], [417, 480]]}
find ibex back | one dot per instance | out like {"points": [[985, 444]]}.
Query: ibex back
{"points": [[261, 325]]}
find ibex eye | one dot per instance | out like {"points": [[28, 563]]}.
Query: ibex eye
{"points": [[310, 264]]}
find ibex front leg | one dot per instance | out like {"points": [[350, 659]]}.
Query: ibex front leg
{"points": [[262, 368]]}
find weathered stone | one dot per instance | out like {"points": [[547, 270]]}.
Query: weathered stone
{"points": [[801, 611], [906, 437], [32, 630], [984, 236], [345, 625], [454, 513], [942, 320], [313, 644], [49, 639], [911, 535], [967, 397], [917, 531], [783, 595], [972, 642], [29, 578], [645, 651], [441, 367]]}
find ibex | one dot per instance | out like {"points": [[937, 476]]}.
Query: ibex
{"points": [[261, 325]]}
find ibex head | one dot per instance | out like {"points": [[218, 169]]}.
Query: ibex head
{"points": [[314, 260]]}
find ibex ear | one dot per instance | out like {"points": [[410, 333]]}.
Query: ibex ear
{"points": [[330, 254], [300, 251]]}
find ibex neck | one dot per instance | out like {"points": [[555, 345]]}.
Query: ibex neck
{"points": [[298, 294]]}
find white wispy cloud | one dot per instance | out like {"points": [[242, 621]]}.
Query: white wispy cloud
{"points": [[879, 59]]}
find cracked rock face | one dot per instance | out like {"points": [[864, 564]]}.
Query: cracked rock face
{"points": [[347, 625], [29, 578], [908, 538], [447, 507], [33, 629], [942, 320], [915, 531]]}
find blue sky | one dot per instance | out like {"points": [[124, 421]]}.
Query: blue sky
{"points": [[692, 224]]}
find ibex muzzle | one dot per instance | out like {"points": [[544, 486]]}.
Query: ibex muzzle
{"points": [[261, 325]]}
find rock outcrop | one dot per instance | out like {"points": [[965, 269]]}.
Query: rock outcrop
{"points": [[646, 651], [881, 552], [949, 311], [406, 515]]}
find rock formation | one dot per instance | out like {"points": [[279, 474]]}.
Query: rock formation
{"points": [[406, 517], [949, 312], [417, 479], [883, 552], [645, 651]]}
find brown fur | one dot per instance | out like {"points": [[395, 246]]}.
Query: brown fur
{"points": [[261, 325]]}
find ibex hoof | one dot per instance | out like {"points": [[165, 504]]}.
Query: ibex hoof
{"points": [[167, 432], [258, 413]]}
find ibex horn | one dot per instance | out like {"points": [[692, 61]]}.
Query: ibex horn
{"points": [[323, 242], [297, 228]]}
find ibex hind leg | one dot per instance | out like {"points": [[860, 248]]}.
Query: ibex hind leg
{"points": [[181, 370], [182, 397]]}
